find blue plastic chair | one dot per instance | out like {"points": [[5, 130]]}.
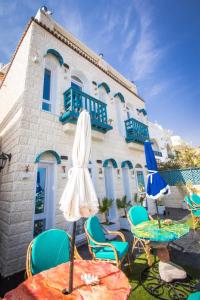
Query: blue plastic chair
{"points": [[193, 204], [48, 250], [194, 296], [137, 215], [100, 248]]}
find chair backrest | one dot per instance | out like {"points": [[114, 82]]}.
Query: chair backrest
{"points": [[195, 199], [188, 201], [49, 249], [138, 214], [93, 227]]}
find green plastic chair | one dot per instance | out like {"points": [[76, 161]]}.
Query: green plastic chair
{"points": [[100, 248], [193, 204], [194, 296], [48, 250], [137, 215]]}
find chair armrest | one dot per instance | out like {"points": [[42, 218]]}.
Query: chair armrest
{"points": [[117, 233]]}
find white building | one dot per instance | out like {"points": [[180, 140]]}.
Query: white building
{"points": [[178, 141], [162, 144], [50, 78]]}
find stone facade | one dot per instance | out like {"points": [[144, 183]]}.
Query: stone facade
{"points": [[26, 131]]}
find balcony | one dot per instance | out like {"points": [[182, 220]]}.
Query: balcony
{"points": [[136, 131], [75, 100], [157, 153]]}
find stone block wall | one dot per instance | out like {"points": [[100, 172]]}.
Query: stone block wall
{"points": [[36, 131]]}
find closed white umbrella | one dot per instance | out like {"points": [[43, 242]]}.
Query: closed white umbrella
{"points": [[79, 197]]}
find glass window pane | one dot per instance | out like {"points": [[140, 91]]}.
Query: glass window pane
{"points": [[46, 106], [39, 226], [141, 183], [47, 83], [40, 191]]}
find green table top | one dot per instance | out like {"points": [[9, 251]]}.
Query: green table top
{"points": [[167, 233]]}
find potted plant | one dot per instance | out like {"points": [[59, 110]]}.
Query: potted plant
{"points": [[140, 199], [124, 204]]}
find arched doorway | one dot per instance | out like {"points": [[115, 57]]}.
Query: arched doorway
{"points": [[44, 208], [126, 166]]}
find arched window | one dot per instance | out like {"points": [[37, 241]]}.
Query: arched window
{"points": [[140, 178], [76, 83], [103, 94], [119, 116], [50, 84]]}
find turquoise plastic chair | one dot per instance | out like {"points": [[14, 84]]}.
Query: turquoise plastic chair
{"points": [[48, 250], [193, 204], [194, 296], [137, 215], [100, 248]]}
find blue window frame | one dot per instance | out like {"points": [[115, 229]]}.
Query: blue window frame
{"points": [[46, 103], [47, 84]]}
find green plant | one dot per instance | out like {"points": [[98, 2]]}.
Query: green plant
{"points": [[104, 207], [185, 157], [139, 198], [123, 204]]}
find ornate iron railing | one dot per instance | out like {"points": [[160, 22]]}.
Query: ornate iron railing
{"points": [[76, 100], [136, 131]]}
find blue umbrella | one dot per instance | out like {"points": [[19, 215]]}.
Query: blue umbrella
{"points": [[156, 185]]}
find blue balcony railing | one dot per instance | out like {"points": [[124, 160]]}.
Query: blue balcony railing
{"points": [[157, 153], [136, 131], [75, 100]]}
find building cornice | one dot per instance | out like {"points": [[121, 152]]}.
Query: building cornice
{"points": [[78, 49]]}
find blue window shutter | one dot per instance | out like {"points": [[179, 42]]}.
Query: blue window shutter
{"points": [[47, 84]]}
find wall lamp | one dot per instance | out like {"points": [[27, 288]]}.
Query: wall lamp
{"points": [[3, 159]]}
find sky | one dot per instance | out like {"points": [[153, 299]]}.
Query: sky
{"points": [[155, 43]]}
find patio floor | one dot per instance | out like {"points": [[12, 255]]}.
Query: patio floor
{"points": [[189, 257]]}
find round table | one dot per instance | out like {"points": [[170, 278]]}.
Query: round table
{"points": [[49, 284], [167, 233], [155, 237], [159, 238]]}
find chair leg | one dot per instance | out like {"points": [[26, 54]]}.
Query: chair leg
{"points": [[129, 262], [147, 249], [135, 241]]}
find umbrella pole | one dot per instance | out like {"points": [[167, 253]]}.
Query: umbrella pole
{"points": [[158, 216], [71, 266]]}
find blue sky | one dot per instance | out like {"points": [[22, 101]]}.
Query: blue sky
{"points": [[155, 43]]}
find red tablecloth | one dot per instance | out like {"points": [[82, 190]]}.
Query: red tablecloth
{"points": [[49, 284]]}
